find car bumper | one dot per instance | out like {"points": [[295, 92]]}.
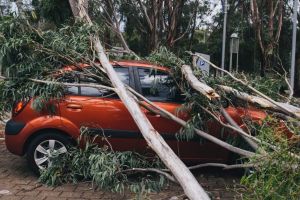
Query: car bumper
{"points": [[13, 127], [14, 136]]}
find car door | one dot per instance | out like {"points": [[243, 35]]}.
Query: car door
{"points": [[81, 106], [101, 112], [156, 86], [122, 131]]}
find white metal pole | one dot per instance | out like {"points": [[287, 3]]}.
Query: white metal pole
{"points": [[295, 11], [230, 61], [224, 36], [237, 62]]}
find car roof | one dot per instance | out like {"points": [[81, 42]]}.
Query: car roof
{"points": [[123, 63], [138, 63]]}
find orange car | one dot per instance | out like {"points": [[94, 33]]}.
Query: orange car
{"points": [[40, 135]]}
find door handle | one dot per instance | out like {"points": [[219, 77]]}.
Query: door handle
{"points": [[74, 106]]}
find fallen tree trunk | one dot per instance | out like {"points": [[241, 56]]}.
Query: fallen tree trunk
{"points": [[212, 95], [197, 85], [261, 102], [285, 108], [186, 179]]}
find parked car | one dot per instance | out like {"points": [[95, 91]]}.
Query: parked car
{"points": [[39, 135]]}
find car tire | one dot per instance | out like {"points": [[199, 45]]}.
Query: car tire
{"points": [[44, 146]]}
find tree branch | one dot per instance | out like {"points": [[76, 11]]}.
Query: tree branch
{"points": [[168, 115], [187, 29], [282, 108], [261, 102], [144, 9], [224, 166], [234, 124], [73, 84], [167, 175], [197, 85]]}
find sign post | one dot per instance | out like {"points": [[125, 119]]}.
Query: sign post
{"points": [[295, 11]]}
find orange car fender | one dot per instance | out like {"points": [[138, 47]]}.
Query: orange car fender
{"points": [[52, 122], [72, 129], [17, 143]]}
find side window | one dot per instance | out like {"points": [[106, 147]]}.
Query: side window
{"points": [[91, 91], [123, 73], [71, 90], [155, 84]]}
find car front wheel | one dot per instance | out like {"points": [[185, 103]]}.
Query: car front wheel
{"points": [[44, 148]]}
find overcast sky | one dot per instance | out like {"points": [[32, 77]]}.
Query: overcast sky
{"points": [[216, 7]]}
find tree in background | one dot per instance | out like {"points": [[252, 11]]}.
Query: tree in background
{"points": [[266, 20], [161, 22], [297, 67], [264, 27]]}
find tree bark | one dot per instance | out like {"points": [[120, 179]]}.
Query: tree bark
{"points": [[197, 85], [267, 41], [285, 108], [186, 179], [74, 7], [212, 95], [114, 24], [261, 102]]}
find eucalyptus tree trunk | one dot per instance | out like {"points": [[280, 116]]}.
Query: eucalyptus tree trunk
{"points": [[75, 8], [267, 31], [175, 12], [186, 179], [113, 23]]}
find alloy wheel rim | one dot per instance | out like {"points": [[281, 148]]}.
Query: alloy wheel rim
{"points": [[46, 151]]}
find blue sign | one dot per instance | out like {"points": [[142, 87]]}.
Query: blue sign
{"points": [[202, 62]]}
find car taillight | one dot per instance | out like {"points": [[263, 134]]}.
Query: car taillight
{"points": [[18, 107]]}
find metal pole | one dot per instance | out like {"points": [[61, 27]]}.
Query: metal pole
{"points": [[224, 36], [295, 11], [230, 61], [237, 62]]}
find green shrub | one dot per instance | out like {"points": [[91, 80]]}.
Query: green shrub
{"points": [[277, 175], [105, 168]]}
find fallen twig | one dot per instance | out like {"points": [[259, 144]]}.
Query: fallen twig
{"points": [[228, 118], [224, 166], [73, 84]]}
